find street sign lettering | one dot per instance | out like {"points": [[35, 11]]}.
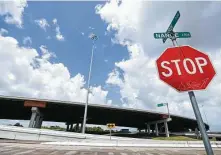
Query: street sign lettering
{"points": [[185, 68], [169, 35]]}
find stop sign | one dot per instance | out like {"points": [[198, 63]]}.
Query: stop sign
{"points": [[185, 68]]}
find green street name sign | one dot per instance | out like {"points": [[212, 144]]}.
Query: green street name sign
{"points": [[169, 35], [172, 24], [160, 105]]}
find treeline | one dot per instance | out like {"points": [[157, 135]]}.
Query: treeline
{"points": [[94, 130]]}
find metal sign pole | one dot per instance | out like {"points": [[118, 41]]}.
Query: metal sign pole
{"points": [[168, 110], [201, 126], [110, 133], [199, 119]]}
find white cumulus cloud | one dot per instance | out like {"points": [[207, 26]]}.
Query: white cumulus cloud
{"points": [[27, 40], [134, 23], [29, 73], [42, 23], [3, 31], [12, 11], [58, 36]]}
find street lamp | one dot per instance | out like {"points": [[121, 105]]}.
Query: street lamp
{"points": [[93, 37]]}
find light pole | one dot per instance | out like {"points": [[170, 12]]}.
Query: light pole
{"points": [[93, 37]]}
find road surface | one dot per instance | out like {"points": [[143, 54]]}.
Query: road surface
{"points": [[35, 148]]}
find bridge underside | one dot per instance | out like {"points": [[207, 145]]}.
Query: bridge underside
{"points": [[13, 108]]}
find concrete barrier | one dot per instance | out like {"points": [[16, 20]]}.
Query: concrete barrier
{"points": [[78, 139], [20, 133]]}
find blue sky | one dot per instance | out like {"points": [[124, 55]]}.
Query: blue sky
{"points": [[76, 21]]}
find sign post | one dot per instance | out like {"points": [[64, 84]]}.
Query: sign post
{"points": [[185, 71], [110, 126], [165, 104]]}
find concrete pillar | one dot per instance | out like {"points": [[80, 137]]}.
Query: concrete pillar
{"points": [[38, 121], [71, 128], [67, 128], [32, 120], [152, 130], [166, 129], [82, 126], [36, 118], [148, 129], [77, 127], [156, 129]]}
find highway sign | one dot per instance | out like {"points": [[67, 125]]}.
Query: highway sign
{"points": [[111, 125], [172, 24], [170, 35], [185, 68]]}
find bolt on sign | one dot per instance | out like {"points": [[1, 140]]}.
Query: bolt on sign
{"points": [[111, 125], [40, 104], [185, 68]]}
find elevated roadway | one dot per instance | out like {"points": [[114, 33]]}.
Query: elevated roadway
{"points": [[64, 111]]}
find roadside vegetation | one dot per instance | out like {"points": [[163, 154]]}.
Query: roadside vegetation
{"points": [[180, 138]]}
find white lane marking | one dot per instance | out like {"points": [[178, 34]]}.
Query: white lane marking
{"points": [[25, 152], [71, 153], [123, 153], [110, 153]]}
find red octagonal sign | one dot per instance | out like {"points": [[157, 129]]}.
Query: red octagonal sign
{"points": [[185, 68]]}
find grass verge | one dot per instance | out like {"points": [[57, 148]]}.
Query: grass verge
{"points": [[176, 138]]}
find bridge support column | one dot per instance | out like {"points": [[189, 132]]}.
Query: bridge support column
{"points": [[67, 127], [39, 121], [166, 129], [77, 127], [152, 129], [36, 118], [82, 126], [148, 129], [156, 129], [71, 128]]}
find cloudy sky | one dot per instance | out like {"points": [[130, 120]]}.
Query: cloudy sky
{"points": [[45, 52]]}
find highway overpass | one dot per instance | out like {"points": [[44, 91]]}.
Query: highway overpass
{"points": [[19, 108]]}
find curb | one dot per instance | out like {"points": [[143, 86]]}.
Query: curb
{"points": [[165, 144]]}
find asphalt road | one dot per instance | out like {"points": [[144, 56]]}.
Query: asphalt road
{"points": [[32, 148]]}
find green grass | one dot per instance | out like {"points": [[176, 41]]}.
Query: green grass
{"points": [[176, 138]]}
